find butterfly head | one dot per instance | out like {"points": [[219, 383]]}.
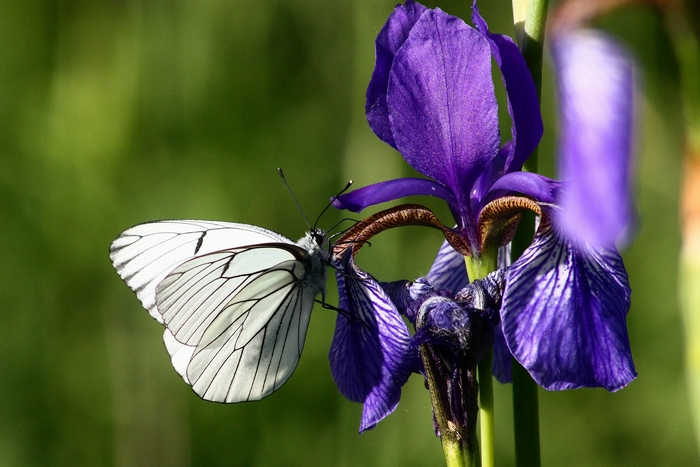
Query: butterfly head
{"points": [[315, 240], [319, 237]]}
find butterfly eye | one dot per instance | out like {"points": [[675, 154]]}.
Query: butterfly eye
{"points": [[319, 237]]}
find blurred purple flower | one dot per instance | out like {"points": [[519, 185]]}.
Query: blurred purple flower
{"points": [[596, 100], [565, 300]]}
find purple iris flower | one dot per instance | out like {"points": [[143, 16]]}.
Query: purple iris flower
{"points": [[565, 300], [432, 98]]}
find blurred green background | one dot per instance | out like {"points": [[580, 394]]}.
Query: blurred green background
{"points": [[119, 112]]}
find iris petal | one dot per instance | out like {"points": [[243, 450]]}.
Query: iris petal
{"points": [[370, 356], [449, 271], [596, 94], [536, 186], [523, 103], [390, 190], [390, 39], [441, 101], [502, 359], [564, 311]]}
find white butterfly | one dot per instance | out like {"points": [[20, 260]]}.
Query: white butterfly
{"points": [[235, 299]]}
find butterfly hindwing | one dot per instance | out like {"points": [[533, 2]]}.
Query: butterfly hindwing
{"points": [[231, 281], [246, 312], [250, 358], [180, 354]]}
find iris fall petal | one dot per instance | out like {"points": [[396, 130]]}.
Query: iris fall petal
{"points": [[564, 311], [370, 356], [502, 359]]}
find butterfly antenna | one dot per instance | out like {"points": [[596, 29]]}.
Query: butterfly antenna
{"points": [[294, 198], [349, 184]]}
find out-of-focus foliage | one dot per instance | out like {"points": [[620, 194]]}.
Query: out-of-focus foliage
{"points": [[115, 113]]}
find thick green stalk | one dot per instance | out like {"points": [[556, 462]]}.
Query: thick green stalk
{"points": [[486, 411], [530, 18], [478, 268], [525, 417]]}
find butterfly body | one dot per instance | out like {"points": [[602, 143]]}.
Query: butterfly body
{"points": [[235, 299]]}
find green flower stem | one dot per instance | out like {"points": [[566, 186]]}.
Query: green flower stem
{"points": [[526, 422], [525, 418], [478, 268], [530, 18], [482, 266], [486, 412]]}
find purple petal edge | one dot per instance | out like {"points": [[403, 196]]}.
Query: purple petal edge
{"points": [[534, 185], [381, 192], [389, 40], [502, 359]]}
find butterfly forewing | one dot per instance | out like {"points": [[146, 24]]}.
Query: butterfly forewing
{"points": [[270, 291], [143, 255]]}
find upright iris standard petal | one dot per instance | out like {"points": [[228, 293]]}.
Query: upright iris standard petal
{"points": [[390, 39], [595, 77], [370, 355], [523, 102], [442, 106], [564, 311]]}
